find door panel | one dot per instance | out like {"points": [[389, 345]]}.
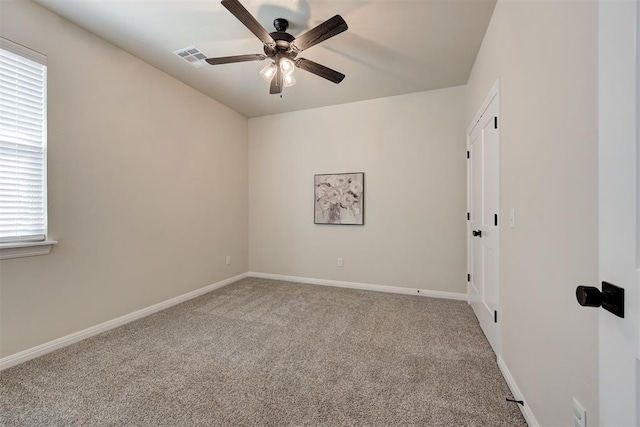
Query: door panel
{"points": [[490, 177], [490, 296], [484, 156]]}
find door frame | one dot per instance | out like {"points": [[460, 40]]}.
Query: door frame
{"points": [[493, 95]]}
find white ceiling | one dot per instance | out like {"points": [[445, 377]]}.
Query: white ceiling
{"points": [[392, 47]]}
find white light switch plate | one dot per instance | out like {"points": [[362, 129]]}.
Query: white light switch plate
{"points": [[579, 414]]}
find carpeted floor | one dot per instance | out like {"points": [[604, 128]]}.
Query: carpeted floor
{"points": [[263, 352]]}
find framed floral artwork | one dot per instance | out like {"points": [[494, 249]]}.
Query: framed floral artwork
{"points": [[339, 198]]}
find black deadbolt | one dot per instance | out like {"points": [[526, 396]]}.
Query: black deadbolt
{"points": [[611, 298], [477, 233]]}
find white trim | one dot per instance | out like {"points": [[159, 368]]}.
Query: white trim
{"points": [[56, 344], [363, 286], [32, 353], [23, 51], [515, 391], [23, 249]]}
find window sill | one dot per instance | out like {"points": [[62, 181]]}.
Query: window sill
{"points": [[24, 249]]}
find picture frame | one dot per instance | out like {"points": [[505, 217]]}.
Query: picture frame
{"points": [[339, 198]]}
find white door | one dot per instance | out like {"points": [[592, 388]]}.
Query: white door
{"points": [[618, 198], [483, 142]]}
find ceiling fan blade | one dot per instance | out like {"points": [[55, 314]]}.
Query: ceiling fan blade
{"points": [[322, 32], [237, 58], [276, 83], [319, 70], [243, 15]]}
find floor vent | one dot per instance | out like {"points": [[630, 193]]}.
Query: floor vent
{"points": [[192, 55]]}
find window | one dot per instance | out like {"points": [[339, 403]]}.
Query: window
{"points": [[23, 147]]}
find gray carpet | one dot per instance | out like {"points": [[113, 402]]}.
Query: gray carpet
{"points": [[263, 352]]}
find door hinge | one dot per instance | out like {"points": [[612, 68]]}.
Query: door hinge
{"points": [[468, 216], [495, 122], [468, 277], [468, 154], [495, 316], [495, 219]]}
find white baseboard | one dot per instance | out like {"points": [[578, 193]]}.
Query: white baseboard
{"points": [[50, 346], [363, 286], [32, 353], [525, 409]]}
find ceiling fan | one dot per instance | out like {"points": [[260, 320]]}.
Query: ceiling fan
{"points": [[283, 48]]}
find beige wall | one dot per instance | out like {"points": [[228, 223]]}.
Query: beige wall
{"points": [[412, 151], [546, 53], [148, 191], [147, 187]]}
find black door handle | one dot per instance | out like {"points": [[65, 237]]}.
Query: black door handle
{"points": [[611, 298], [477, 233]]}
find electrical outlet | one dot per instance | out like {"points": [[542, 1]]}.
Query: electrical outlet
{"points": [[228, 261], [579, 414], [339, 262]]}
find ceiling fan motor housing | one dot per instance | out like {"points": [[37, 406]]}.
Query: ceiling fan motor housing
{"points": [[282, 39]]}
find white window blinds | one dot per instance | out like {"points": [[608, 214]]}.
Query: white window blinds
{"points": [[23, 136]]}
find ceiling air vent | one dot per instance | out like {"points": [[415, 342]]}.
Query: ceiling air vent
{"points": [[192, 55]]}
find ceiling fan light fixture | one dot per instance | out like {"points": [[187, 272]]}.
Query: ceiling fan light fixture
{"points": [[268, 72], [287, 66], [289, 80]]}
